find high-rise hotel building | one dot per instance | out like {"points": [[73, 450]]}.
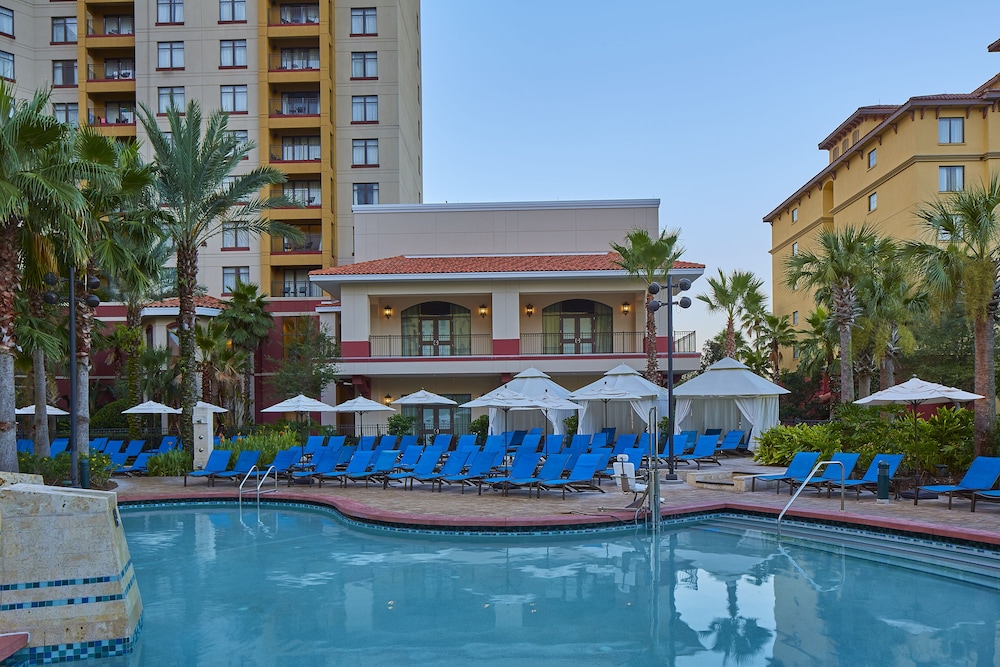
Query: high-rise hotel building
{"points": [[329, 91]]}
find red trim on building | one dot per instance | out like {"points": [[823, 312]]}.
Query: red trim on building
{"points": [[355, 349], [505, 346]]}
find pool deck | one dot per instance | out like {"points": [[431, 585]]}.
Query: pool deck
{"points": [[452, 509]]}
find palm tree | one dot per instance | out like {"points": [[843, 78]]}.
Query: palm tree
{"points": [[733, 295], [842, 261], [200, 195], [651, 260], [37, 173], [37, 337], [961, 264], [818, 347], [248, 324], [776, 333]]}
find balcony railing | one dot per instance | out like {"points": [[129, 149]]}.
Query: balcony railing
{"points": [[293, 106], [281, 289], [617, 342], [294, 15], [468, 345], [124, 69], [312, 242], [295, 153], [111, 27], [293, 62]]}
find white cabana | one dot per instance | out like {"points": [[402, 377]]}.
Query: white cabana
{"points": [[532, 383], [627, 415], [727, 396]]}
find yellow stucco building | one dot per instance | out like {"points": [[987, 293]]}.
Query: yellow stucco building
{"points": [[884, 162]]}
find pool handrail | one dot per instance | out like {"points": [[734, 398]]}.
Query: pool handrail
{"points": [[805, 482]]}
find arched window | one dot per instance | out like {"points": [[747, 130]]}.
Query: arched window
{"points": [[436, 329], [577, 326]]}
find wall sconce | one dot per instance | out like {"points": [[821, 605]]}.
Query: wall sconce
{"points": [[529, 310], [388, 399], [626, 307], [387, 311], [483, 310]]}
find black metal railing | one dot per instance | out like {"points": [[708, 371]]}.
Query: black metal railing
{"points": [[615, 342], [295, 152], [297, 288], [112, 71], [294, 105], [311, 242], [298, 14], [457, 345], [281, 62]]}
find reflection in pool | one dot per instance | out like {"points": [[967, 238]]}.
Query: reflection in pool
{"points": [[222, 587]]}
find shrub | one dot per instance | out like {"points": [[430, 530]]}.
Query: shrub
{"points": [[572, 424], [480, 426], [778, 445], [173, 463], [110, 416], [100, 469], [53, 470], [400, 425], [268, 444]]}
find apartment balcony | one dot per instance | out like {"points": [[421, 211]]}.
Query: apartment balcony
{"points": [[111, 77], [111, 32], [294, 111], [311, 244], [618, 342], [296, 289], [297, 159], [294, 66], [293, 20], [469, 345]]}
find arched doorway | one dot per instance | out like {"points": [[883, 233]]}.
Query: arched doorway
{"points": [[436, 329], [577, 326]]}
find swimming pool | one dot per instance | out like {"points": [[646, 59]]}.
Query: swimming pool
{"points": [[301, 586]]}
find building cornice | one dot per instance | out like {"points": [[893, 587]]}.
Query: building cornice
{"points": [[507, 206]]}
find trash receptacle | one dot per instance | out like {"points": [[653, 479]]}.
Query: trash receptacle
{"points": [[882, 492], [84, 473]]}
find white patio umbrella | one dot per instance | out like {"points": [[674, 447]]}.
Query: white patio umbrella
{"points": [[151, 408], [211, 408], [360, 405], [605, 393], [916, 392], [548, 402], [423, 397], [533, 383], [49, 410], [300, 404], [503, 399]]}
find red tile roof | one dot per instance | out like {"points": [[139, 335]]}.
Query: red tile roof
{"points": [[199, 302], [404, 265]]}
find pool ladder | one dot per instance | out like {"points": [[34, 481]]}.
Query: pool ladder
{"points": [[811, 474], [254, 472]]}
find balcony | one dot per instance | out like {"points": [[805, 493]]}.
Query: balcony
{"points": [[111, 26], [295, 152], [298, 289], [469, 345], [294, 60], [618, 342], [312, 243], [294, 15], [294, 105]]}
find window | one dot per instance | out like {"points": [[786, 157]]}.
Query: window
{"points": [[364, 109], [364, 65], [306, 193], [67, 112], [795, 352], [872, 158], [873, 201], [363, 21], [232, 10], [170, 97], [170, 11], [365, 152], [170, 55], [7, 21], [943, 235], [115, 68], [233, 53], [795, 249], [234, 237], [795, 317], [120, 112], [951, 179], [844, 146], [64, 73], [298, 14], [299, 104], [6, 65], [296, 283], [836, 152], [854, 136], [366, 193], [300, 148], [241, 136], [951, 130], [119, 25], [234, 99], [795, 215], [233, 274], [64, 29]]}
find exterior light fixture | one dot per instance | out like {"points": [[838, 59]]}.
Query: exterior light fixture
{"points": [[388, 399], [529, 310], [387, 311], [483, 310], [626, 307]]}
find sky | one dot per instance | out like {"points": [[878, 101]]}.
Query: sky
{"points": [[714, 108]]}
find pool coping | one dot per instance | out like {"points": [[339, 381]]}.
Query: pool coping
{"points": [[610, 518]]}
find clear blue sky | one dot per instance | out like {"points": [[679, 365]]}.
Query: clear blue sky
{"points": [[715, 108]]}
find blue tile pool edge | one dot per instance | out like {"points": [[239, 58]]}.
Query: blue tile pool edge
{"points": [[54, 653]]}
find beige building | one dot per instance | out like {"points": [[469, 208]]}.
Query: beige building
{"points": [[884, 161], [329, 92]]}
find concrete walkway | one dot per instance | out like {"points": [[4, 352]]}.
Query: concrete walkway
{"points": [[424, 507]]}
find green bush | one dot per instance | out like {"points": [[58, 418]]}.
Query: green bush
{"points": [[267, 443], [778, 445], [169, 464], [53, 470], [480, 426], [400, 424], [100, 469], [110, 416], [572, 425]]}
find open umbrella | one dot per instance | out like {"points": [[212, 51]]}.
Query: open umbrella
{"points": [[503, 399], [423, 397], [49, 410], [605, 393], [300, 404], [546, 402], [210, 407], [151, 408], [915, 392], [360, 405]]}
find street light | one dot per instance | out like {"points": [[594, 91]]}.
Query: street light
{"points": [[683, 285], [91, 300]]}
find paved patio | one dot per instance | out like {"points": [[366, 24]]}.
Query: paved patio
{"points": [[450, 507]]}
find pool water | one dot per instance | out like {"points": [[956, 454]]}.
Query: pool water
{"points": [[298, 586]]}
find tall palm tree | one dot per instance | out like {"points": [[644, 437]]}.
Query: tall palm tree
{"points": [[37, 172], [960, 263], [248, 324], [777, 332], [37, 336], [199, 195], [733, 295], [818, 346], [842, 260], [649, 259]]}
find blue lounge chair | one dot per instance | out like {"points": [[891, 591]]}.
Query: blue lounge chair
{"points": [[387, 442], [167, 443], [981, 476], [408, 459], [523, 467], [407, 441], [831, 473], [138, 466], [100, 444], [494, 442], [366, 443], [326, 463], [217, 462], [358, 465], [110, 446], [336, 441], [283, 463], [428, 462], [453, 465], [385, 462], [58, 446], [681, 444], [553, 443], [870, 479], [624, 441], [25, 445], [704, 452], [118, 461], [244, 464], [467, 441], [442, 441], [800, 466], [134, 448], [553, 468], [730, 443], [581, 477], [480, 465]]}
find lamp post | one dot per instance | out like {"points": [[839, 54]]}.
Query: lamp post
{"points": [[684, 302], [92, 301]]}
